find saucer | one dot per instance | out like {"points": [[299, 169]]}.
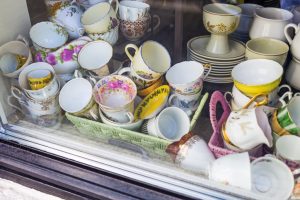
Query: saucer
{"points": [[153, 103], [197, 46], [205, 60]]}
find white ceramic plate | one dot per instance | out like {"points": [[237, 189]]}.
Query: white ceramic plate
{"points": [[204, 60]]}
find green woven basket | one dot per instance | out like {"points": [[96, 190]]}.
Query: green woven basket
{"points": [[145, 144]]}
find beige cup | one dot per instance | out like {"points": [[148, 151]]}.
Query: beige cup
{"points": [[267, 48], [151, 60]]}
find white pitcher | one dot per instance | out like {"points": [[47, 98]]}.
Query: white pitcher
{"points": [[294, 42]]}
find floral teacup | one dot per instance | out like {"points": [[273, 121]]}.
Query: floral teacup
{"points": [[115, 95]]}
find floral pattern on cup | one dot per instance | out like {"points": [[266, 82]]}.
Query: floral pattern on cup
{"points": [[135, 30]]}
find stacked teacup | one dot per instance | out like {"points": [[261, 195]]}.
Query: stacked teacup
{"points": [[186, 82], [148, 64], [135, 19], [38, 94]]}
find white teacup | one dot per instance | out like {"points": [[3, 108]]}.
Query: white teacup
{"points": [[232, 169], [171, 124], [270, 22], [115, 95], [195, 155], [133, 10], [76, 97], [187, 77], [292, 73], [288, 148]]}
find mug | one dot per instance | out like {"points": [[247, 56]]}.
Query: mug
{"points": [[115, 95], [171, 124], [187, 77], [232, 169], [291, 73], [294, 42], [289, 114], [81, 90], [133, 10], [270, 22], [151, 60], [188, 103], [39, 78]]}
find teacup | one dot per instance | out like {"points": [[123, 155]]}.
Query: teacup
{"points": [[145, 91], [287, 148], [247, 128], [289, 115], [110, 36], [247, 15], [257, 76], [171, 124], [39, 78], [151, 60], [292, 72], [99, 18], [115, 95], [271, 178], [11, 62], [270, 22], [51, 89], [19, 48], [188, 103], [294, 42], [47, 36], [267, 48], [133, 10], [81, 90], [232, 169], [192, 153], [187, 77], [95, 56]]}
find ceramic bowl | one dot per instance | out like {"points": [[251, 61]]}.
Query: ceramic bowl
{"points": [[221, 18], [267, 48], [257, 76], [47, 36], [271, 178]]}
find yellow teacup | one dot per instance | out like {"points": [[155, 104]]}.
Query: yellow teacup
{"points": [[39, 78]]}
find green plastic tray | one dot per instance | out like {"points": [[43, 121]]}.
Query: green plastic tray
{"points": [[146, 144]]}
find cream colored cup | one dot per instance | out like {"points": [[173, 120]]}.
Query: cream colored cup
{"points": [[99, 18], [270, 22], [151, 60], [267, 48], [294, 42], [292, 72]]}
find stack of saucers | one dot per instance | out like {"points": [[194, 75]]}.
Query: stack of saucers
{"points": [[222, 64]]}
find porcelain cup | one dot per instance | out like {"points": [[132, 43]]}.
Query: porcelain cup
{"points": [[293, 41], [247, 128], [39, 78], [51, 89], [115, 95], [193, 154], [270, 22], [271, 178], [47, 36], [247, 15], [68, 16], [187, 77], [291, 73], [171, 124], [151, 60], [267, 48], [99, 18], [289, 114], [11, 62], [276, 127], [287, 148], [81, 90], [19, 48], [133, 10], [110, 36], [95, 56], [232, 169], [188, 103]]}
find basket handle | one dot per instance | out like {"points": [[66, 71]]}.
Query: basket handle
{"points": [[130, 147], [218, 97]]}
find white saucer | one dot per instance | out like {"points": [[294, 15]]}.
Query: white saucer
{"points": [[198, 44]]}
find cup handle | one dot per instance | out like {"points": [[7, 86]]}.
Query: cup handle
{"points": [[263, 102], [17, 93], [23, 39], [289, 95], [130, 116], [117, 5], [94, 112], [288, 37], [227, 100], [127, 52], [92, 80], [80, 31], [78, 74], [124, 70], [284, 86], [209, 66], [157, 24], [9, 101], [171, 99]]}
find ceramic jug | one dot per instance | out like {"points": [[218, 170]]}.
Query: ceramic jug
{"points": [[294, 42]]}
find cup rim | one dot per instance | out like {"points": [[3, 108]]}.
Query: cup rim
{"points": [[273, 8], [238, 9], [274, 41], [146, 6], [94, 7]]}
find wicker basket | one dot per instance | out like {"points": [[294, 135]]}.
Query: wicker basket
{"points": [[216, 143], [145, 144]]}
